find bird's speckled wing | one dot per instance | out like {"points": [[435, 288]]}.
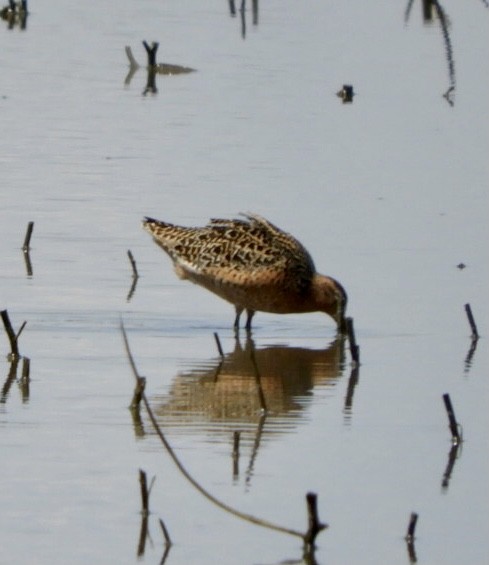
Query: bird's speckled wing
{"points": [[245, 252]]}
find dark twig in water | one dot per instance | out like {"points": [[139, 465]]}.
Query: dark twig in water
{"points": [[145, 492], [236, 439], [452, 421], [151, 52], [410, 537], [27, 239], [354, 348], [315, 525], [21, 329], [444, 23], [473, 327], [135, 273], [218, 343], [186, 474], [452, 457], [412, 526], [14, 348]]}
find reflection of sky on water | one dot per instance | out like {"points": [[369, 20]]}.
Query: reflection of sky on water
{"points": [[389, 194]]}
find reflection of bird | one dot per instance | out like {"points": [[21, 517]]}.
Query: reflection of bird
{"points": [[252, 264], [219, 398]]}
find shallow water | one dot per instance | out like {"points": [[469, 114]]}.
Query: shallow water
{"points": [[389, 194]]}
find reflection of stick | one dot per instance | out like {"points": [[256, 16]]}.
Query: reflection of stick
{"points": [[135, 275], [28, 234], [12, 376], [25, 379], [218, 343], [261, 395], [354, 349], [132, 61], [186, 474], [473, 327], [452, 457], [451, 419], [166, 535], [133, 264]]}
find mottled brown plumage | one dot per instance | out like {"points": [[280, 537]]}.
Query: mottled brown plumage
{"points": [[252, 264]]}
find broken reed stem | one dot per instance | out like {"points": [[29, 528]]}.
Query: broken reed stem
{"points": [[473, 327], [133, 264], [411, 527], [28, 235], [315, 526], [354, 348], [151, 52], [452, 421], [14, 348], [186, 474], [166, 535], [144, 493], [218, 343]]}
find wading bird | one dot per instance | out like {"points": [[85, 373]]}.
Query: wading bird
{"points": [[252, 264]]}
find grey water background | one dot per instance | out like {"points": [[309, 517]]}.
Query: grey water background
{"points": [[389, 194]]}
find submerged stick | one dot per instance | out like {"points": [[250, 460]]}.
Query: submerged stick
{"points": [[452, 421], [27, 239], [354, 348], [473, 327]]}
